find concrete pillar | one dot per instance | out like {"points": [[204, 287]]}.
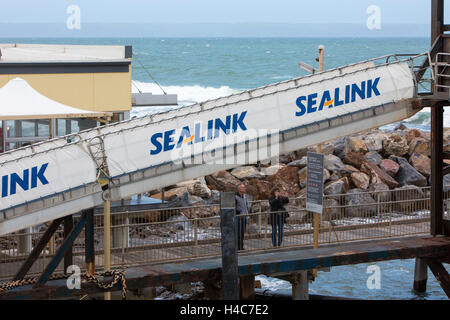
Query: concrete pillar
{"points": [[420, 276], [25, 244], [300, 286], [247, 288]]}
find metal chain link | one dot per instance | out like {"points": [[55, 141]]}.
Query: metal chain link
{"points": [[117, 276]]}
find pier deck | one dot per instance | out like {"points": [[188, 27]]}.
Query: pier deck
{"points": [[280, 262]]}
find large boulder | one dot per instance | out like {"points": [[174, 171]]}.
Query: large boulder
{"points": [[374, 142], [340, 147], [357, 145], [408, 175], [377, 175], [333, 163], [286, 179], [421, 163], [289, 157], [359, 204], [395, 144], [271, 170], [420, 145], [390, 167], [246, 172], [360, 180], [411, 134], [380, 192], [373, 156], [347, 171], [340, 186], [222, 181], [299, 163], [354, 159], [409, 199], [326, 148]]}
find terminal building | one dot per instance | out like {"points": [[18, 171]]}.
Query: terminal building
{"points": [[93, 79]]}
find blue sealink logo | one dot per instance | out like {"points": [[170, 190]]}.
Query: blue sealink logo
{"points": [[25, 180], [336, 98], [168, 140]]}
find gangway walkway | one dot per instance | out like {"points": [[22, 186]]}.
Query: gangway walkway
{"points": [[56, 178]]}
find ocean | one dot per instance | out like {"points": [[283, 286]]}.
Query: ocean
{"points": [[198, 69]]}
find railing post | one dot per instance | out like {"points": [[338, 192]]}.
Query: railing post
{"points": [[230, 288], [196, 236]]}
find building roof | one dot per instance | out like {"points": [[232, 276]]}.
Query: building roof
{"points": [[19, 101], [62, 53]]}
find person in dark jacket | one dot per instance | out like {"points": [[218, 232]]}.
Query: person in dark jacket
{"points": [[242, 208], [278, 215]]}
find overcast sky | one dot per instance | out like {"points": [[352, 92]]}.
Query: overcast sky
{"points": [[221, 11]]}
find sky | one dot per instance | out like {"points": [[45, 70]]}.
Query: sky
{"points": [[218, 11]]}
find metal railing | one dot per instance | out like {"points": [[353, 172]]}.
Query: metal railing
{"points": [[165, 235], [442, 69]]}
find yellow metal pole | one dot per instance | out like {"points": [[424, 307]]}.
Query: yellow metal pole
{"points": [[319, 150], [107, 240]]}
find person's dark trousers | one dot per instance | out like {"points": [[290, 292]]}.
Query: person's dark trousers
{"points": [[277, 230], [241, 226]]}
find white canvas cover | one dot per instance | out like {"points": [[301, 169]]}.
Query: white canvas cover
{"points": [[18, 101]]}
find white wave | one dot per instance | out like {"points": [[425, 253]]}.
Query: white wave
{"points": [[186, 95]]}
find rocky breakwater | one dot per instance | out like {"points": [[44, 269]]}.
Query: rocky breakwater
{"points": [[360, 172]]}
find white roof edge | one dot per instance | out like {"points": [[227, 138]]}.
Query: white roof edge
{"points": [[56, 52]]}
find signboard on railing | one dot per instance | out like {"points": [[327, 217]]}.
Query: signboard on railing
{"points": [[314, 182]]}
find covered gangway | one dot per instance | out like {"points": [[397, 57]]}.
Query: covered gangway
{"points": [[20, 101]]}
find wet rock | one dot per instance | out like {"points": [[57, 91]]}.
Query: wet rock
{"points": [[374, 142], [400, 126], [373, 156], [421, 163], [420, 145], [377, 175], [408, 175], [390, 167], [333, 163], [360, 204], [357, 145], [354, 159], [246, 172], [395, 144], [360, 180], [409, 199]]}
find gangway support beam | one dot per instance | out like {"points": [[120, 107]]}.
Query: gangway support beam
{"points": [[68, 241], [68, 226], [34, 255], [441, 275]]}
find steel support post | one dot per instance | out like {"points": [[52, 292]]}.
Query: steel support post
{"points": [[230, 288], [59, 255], [34, 255]]}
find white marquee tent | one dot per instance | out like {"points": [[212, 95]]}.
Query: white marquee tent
{"points": [[19, 101]]}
